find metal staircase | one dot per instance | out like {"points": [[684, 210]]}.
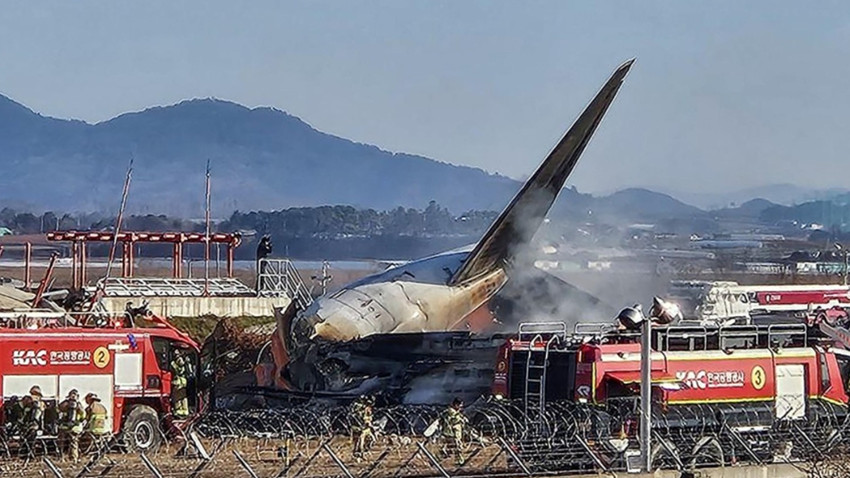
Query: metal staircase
{"points": [[278, 277]]}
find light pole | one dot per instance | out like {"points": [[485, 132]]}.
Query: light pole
{"points": [[662, 313], [631, 318], [845, 252], [646, 395]]}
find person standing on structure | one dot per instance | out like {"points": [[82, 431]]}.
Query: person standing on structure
{"points": [[452, 424], [264, 250], [71, 418], [179, 383]]}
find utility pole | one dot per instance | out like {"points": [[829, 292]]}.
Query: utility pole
{"points": [[207, 235], [119, 218]]}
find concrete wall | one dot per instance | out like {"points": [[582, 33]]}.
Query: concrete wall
{"points": [[198, 306], [767, 471]]}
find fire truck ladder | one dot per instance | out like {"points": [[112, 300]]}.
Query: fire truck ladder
{"points": [[534, 402], [535, 379]]}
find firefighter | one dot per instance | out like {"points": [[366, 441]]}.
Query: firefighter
{"points": [[361, 429], [33, 410], [96, 416], [14, 414], [71, 418], [179, 382], [452, 424]]}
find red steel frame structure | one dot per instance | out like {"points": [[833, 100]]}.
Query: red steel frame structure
{"points": [[128, 239]]}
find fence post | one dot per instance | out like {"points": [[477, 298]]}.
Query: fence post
{"points": [[336, 460], [375, 464], [153, 469], [406, 462], [196, 442], [514, 456], [433, 460], [493, 460], [108, 468], [98, 455], [245, 464], [312, 457], [206, 459], [52, 468]]}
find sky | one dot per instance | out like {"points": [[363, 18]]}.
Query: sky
{"points": [[723, 96]]}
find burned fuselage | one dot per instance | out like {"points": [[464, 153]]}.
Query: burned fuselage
{"points": [[412, 298], [443, 293]]}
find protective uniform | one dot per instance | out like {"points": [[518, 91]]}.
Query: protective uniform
{"points": [[96, 416], [14, 416], [71, 418], [452, 423], [33, 411], [179, 382], [361, 425]]}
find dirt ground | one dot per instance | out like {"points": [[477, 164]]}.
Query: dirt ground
{"points": [[268, 457]]}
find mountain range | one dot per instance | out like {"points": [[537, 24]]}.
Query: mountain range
{"points": [[783, 194], [262, 159]]}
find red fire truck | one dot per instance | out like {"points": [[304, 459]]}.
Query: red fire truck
{"points": [[128, 368], [720, 301], [732, 383]]}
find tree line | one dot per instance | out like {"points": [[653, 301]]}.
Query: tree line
{"points": [[338, 222], [325, 222], [21, 222]]}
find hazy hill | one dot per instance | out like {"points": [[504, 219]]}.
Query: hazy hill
{"points": [[643, 204], [784, 194], [751, 209], [262, 158]]}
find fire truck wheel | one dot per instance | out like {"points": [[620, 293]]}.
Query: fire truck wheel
{"points": [[141, 429]]}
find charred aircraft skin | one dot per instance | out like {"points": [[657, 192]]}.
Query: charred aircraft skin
{"points": [[436, 294], [410, 298], [416, 368]]}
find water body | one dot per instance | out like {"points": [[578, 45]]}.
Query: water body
{"points": [[354, 265]]}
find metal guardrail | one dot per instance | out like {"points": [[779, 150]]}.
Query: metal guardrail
{"points": [[528, 330], [167, 287], [279, 277]]}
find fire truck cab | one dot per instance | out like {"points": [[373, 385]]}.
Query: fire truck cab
{"points": [[130, 370]]}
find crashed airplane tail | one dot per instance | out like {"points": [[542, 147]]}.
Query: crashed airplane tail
{"points": [[520, 220], [436, 294]]}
